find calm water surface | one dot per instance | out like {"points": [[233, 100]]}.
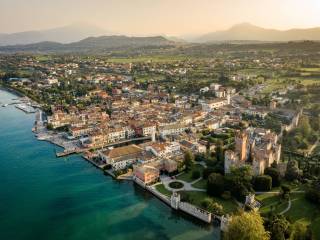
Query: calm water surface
{"points": [[42, 197]]}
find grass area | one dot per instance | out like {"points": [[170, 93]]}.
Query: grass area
{"points": [[42, 58], [200, 184], [271, 202], [273, 85], [293, 186], [187, 176], [229, 206], [310, 69], [281, 83], [304, 212], [163, 190], [149, 78]]}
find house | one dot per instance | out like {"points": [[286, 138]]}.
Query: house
{"points": [[146, 174], [164, 149]]}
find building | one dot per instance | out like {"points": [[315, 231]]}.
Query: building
{"points": [[173, 129], [121, 157], [147, 174], [256, 147], [216, 103]]}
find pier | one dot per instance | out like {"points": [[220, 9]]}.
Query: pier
{"points": [[69, 152]]}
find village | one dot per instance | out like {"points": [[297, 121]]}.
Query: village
{"points": [[147, 138], [207, 137]]}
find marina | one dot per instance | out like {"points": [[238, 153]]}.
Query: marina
{"points": [[25, 108]]}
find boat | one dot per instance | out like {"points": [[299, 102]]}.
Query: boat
{"points": [[4, 105]]}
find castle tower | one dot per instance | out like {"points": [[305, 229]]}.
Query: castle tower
{"points": [[241, 140], [175, 200]]}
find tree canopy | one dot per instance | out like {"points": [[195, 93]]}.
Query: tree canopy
{"points": [[246, 226]]}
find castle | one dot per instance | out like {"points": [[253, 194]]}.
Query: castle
{"points": [[257, 147]]}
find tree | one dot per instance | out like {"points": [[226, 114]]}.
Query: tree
{"points": [[262, 183], [246, 225], [274, 174], [215, 186], [315, 123], [293, 171], [285, 191], [279, 227], [238, 182], [188, 160], [206, 172], [301, 232], [219, 152], [313, 192], [304, 126]]}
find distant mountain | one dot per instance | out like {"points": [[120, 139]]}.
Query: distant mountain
{"points": [[92, 44], [175, 39], [249, 32], [66, 34]]}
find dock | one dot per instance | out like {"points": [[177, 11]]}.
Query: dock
{"points": [[25, 108], [69, 152]]}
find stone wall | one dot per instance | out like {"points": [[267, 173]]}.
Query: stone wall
{"points": [[196, 212]]}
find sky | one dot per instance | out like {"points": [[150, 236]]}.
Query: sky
{"points": [[149, 17]]}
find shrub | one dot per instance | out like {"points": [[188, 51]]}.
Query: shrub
{"points": [[293, 171], [285, 190], [176, 185], [207, 172], [262, 183], [275, 175], [313, 192], [211, 206], [215, 186]]}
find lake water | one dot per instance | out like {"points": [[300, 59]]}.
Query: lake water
{"points": [[43, 197]]}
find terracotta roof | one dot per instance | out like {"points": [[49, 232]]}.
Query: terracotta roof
{"points": [[123, 151]]}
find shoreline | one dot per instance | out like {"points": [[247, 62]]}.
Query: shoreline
{"points": [[11, 90], [149, 189]]}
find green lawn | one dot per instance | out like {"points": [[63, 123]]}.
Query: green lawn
{"points": [[187, 176], [271, 202], [305, 212], [201, 184], [229, 206], [163, 190]]}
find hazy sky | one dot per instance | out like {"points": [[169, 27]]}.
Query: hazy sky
{"points": [[171, 17]]}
